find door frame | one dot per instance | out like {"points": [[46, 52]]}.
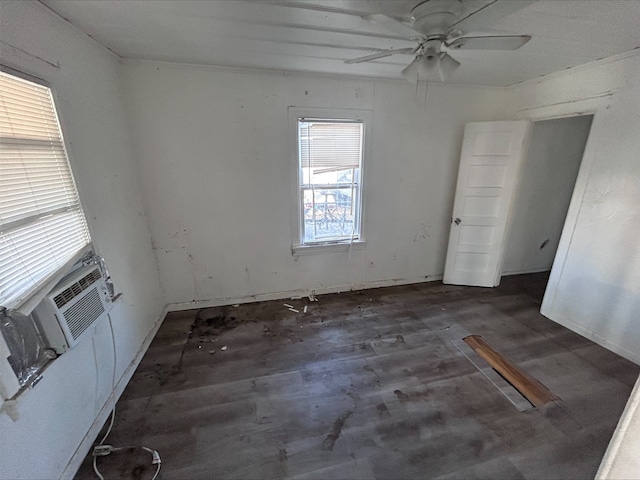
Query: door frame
{"points": [[597, 106]]}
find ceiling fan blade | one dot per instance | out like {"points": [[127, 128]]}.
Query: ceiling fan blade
{"points": [[381, 54], [500, 42], [393, 25], [485, 16]]}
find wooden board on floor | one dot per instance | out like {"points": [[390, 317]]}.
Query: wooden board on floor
{"points": [[529, 387]]}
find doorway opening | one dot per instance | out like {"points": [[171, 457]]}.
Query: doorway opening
{"points": [[547, 181]]}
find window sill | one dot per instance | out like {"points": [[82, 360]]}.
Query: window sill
{"points": [[327, 248]]}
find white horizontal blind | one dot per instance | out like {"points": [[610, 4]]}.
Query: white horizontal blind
{"points": [[330, 145], [330, 158], [42, 225]]}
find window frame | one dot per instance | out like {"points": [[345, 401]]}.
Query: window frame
{"points": [[297, 222], [10, 387], [27, 305]]}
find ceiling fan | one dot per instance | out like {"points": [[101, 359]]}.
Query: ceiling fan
{"points": [[435, 24]]}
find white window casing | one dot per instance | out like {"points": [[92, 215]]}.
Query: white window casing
{"points": [[330, 148], [42, 225]]}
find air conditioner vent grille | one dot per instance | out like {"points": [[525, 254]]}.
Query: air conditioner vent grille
{"points": [[84, 313], [75, 289]]}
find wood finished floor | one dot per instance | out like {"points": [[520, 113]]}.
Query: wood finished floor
{"points": [[367, 385]]}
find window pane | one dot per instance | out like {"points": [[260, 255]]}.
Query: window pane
{"points": [[330, 157], [333, 176], [31, 253], [42, 224], [330, 214]]}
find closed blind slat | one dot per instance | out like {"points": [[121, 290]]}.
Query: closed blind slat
{"points": [[325, 145], [42, 225]]}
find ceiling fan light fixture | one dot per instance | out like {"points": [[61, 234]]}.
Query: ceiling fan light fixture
{"points": [[423, 67], [447, 65], [429, 64], [410, 72], [430, 55]]}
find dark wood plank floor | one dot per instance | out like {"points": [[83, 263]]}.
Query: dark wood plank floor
{"points": [[367, 385]]}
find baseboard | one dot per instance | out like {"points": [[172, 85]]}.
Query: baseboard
{"points": [[525, 271], [262, 297], [81, 452], [600, 340]]}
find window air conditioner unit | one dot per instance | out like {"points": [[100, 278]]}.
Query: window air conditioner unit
{"points": [[75, 303]]}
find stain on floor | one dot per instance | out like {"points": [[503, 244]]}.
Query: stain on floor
{"points": [[333, 436]]}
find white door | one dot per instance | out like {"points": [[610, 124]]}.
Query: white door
{"points": [[489, 169]]}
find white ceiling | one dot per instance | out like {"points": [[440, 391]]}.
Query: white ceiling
{"points": [[318, 35]]}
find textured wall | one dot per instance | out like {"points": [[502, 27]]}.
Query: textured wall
{"points": [[595, 283], [216, 153]]}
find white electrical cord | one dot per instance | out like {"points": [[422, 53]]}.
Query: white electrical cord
{"points": [[113, 377], [95, 448], [113, 417], [102, 450], [113, 380]]}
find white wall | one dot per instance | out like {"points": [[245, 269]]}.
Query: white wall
{"points": [[594, 287], [621, 460], [215, 152], [548, 176], [55, 415]]}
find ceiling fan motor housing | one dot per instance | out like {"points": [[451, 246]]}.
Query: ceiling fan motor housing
{"points": [[430, 49], [435, 17]]}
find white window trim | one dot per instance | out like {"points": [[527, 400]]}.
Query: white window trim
{"points": [[29, 303], [296, 113], [10, 388]]}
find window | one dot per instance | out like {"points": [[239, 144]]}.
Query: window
{"points": [[330, 154], [42, 226]]}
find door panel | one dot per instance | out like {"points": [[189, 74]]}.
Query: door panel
{"points": [[489, 167]]}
